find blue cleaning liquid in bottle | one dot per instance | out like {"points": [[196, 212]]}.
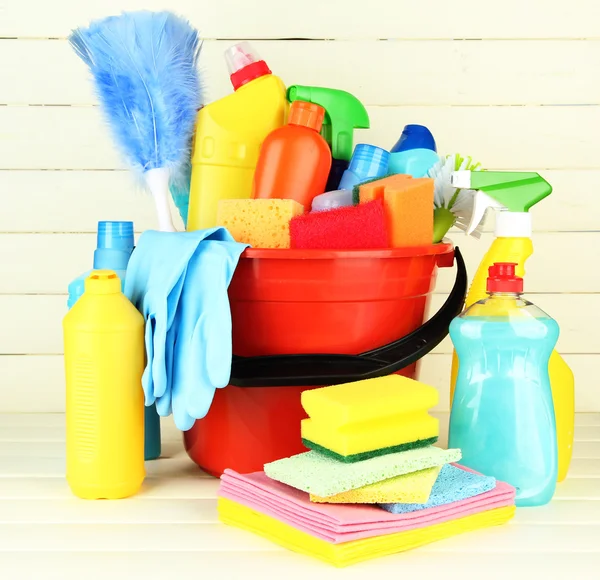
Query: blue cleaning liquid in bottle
{"points": [[503, 415]]}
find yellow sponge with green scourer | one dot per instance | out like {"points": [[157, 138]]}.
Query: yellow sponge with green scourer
{"points": [[364, 419], [410, 488]]}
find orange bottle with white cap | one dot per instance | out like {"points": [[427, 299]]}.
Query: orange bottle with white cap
{"points": [[294, 160]]}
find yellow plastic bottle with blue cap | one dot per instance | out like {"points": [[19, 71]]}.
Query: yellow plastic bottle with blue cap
{"points": [[512, 194], [104, 362], [229, 133]]}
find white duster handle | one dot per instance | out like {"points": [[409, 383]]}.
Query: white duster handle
{"points": [[158, 182]]}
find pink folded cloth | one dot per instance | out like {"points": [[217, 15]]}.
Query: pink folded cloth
{"points": [[347, 522]]}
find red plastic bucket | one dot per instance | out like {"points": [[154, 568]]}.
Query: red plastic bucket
{"points": [[298, 301]]}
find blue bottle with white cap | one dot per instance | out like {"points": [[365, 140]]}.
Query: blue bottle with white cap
{"points": [[114, 245], [368, 162]]}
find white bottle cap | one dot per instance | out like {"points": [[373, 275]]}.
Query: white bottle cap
{"points": [[239, 56], [511, 224]]}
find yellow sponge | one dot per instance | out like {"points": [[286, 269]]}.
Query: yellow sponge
{"points": [[359, 420], [262, 223], [410, 488]]}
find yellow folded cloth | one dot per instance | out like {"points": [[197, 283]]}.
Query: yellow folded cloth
{"points": [[355, 421], [410, 488], [348, 553]]}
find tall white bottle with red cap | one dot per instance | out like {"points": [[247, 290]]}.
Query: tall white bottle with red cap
{"points": [[502, 416], [229, 133]]}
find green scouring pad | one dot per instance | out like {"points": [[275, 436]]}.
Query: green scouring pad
{"points": [[369, 454]]}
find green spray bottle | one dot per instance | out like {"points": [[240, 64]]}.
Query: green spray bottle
{"points": [[343, 113], [512, 195]]}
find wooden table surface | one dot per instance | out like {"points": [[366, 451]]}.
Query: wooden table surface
{"points": [[170, 529]]}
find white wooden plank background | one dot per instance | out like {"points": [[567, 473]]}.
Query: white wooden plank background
{"points": [[464, 73], [517, 85], [435, 19]]}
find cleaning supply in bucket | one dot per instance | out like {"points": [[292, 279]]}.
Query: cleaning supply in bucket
{"points": [[230, 132], [260, 223], [414, 153], [512, 195], [414, 162], [294, 160], [332, 200], [114, 244], [104, 361], [343, 113], [408, 208], [144, 66], [343, 535], [413, 487], [502, 414], [319, 474], [414, 137], [364, 192], [453, 205], [356, 421], [367, 163], [452, 485], [360, 227], [188, 332]]}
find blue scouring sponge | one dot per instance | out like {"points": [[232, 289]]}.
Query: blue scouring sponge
{"points": [[453, 484]]}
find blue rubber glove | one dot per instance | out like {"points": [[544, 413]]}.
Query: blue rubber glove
{"points": [[154, 282], [203, 350], [179, 282]]}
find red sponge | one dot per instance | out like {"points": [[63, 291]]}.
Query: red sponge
{"points": [[358, 227]]}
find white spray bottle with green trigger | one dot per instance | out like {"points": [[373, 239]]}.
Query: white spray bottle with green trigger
{"points": [[511, 195]]}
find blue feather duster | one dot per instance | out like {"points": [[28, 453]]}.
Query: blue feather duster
{"points": [[144, 67]]}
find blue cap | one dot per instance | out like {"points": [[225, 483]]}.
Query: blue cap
{"points": [[367, 162], [115, 236], [114, 245], [415, 137]]}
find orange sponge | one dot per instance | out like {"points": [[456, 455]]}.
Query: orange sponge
{"points": [[373, 190], [408, 207], [262, 223]]}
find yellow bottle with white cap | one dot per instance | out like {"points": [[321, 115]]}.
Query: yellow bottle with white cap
{"points": [[104, 362], [229, 134]]}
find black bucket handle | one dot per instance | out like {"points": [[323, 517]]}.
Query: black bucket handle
{"points": [[313, 370]]}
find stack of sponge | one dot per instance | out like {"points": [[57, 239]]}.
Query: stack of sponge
{"points": [[371, 484]]}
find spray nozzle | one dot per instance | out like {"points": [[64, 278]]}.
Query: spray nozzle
{"points": [[512, 193], [343, 113]]}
